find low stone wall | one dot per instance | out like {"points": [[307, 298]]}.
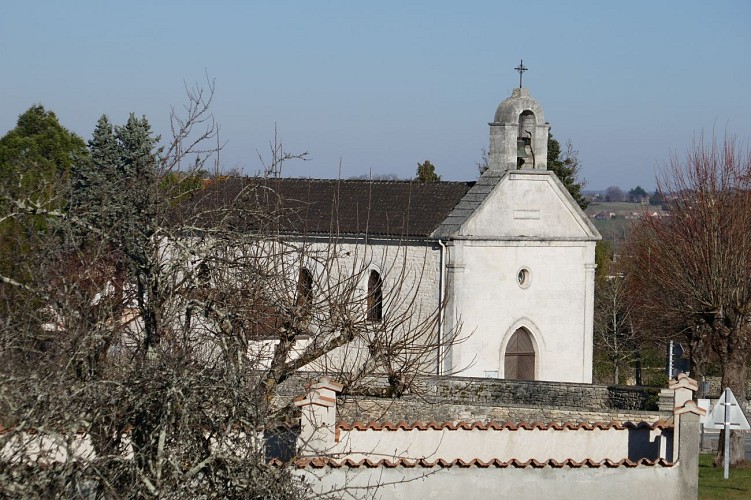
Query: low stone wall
{"points": [[444, 398], [414, 409], [502, 392], [538, 393], [715, 388]]}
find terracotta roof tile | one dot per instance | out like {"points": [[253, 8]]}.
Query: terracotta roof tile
{"points": [[320, 462], [498, 426]]}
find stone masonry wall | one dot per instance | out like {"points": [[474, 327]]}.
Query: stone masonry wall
{"points": [[416, 409], [539, 393], [466, 398]]}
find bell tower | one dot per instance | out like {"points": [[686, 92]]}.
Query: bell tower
{"points": [[519, 132]]}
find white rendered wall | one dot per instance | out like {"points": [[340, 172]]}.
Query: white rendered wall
{"points": [[553, 308], [504, 444], [411, 274], [527, 222], [511, 483]]}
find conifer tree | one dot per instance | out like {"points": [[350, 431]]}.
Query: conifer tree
{"points": [[426, 172], [92, 177], [35, 160], [37, 155], [566, 166]]}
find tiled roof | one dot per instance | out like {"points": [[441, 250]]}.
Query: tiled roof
{"points": [[469, 203], [315, 206], [498, 426], [321, 462]]}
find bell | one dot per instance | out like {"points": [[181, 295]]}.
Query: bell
{"points": [[523, 148]]}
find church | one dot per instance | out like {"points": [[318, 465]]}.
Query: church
{"points": [[506, 261]]}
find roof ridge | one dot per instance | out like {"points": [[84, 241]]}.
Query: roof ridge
{"points": [[322, 179]]}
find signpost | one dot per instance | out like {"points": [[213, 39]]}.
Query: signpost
{"points": [[676, 363], [727, 413]]}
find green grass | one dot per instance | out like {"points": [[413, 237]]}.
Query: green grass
{"points": [[712, 484], [619, 207]]}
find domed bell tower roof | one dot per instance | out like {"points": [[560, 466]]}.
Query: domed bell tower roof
{"points": [[518, 132], [509, 110]]}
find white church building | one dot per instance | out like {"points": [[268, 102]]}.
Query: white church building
{"points": [[508, 259]]}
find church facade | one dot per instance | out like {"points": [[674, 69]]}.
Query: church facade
{"points": [[520, 260]]}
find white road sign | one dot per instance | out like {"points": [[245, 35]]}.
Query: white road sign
{"points": [[706, 405], [736, 419]]}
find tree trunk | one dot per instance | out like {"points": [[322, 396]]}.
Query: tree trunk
{"points": [[637, 368], [733, 376]]}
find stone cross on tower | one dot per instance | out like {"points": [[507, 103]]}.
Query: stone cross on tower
{"points": [[521, 69]]}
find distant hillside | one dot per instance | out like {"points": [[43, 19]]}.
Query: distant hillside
{"points": [[614, 220]]}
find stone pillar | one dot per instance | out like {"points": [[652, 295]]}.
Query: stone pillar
{"points": [[454, 305], [318, 421], [502, 154], [541, 146], [686, 415], [589, 314]]}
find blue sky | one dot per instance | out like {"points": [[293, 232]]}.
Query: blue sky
{"points": [[379, 86]]}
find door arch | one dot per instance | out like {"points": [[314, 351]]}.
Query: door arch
{"points": [[519, 359]]}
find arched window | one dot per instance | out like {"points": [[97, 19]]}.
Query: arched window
{"points": [[527, 124], [375, 297], [304, 294], [203, 275], [524, 143], [519, 361]]}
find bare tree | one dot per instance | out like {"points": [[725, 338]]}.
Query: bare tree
{"points": [[613, 324], [614, 194], [484, 162], [690, 272], [158, 319]]}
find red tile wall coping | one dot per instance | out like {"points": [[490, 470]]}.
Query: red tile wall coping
{"points": [[321, 462], [498, 426]]}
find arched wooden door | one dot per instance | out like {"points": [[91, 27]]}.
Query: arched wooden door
{"points": [[519, 361]]}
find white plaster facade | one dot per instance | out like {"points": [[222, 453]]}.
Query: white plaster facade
{"points": [[411, 285], [528, 223]]}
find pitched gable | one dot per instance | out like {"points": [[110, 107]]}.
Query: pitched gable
{"points": [[518, 204]]}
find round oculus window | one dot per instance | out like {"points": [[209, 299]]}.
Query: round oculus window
{"points": [[524, 277]]}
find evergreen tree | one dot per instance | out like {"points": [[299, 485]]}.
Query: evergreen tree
{"points": [[136, 173], [37, 155], [92, 177], [113, 188], [566, 166], [426, 172], [637, 194], [35, 161]]}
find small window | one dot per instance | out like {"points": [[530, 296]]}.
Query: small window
{"points": [[375, 297], [524, 277], [203, 275], [304, 294]]}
